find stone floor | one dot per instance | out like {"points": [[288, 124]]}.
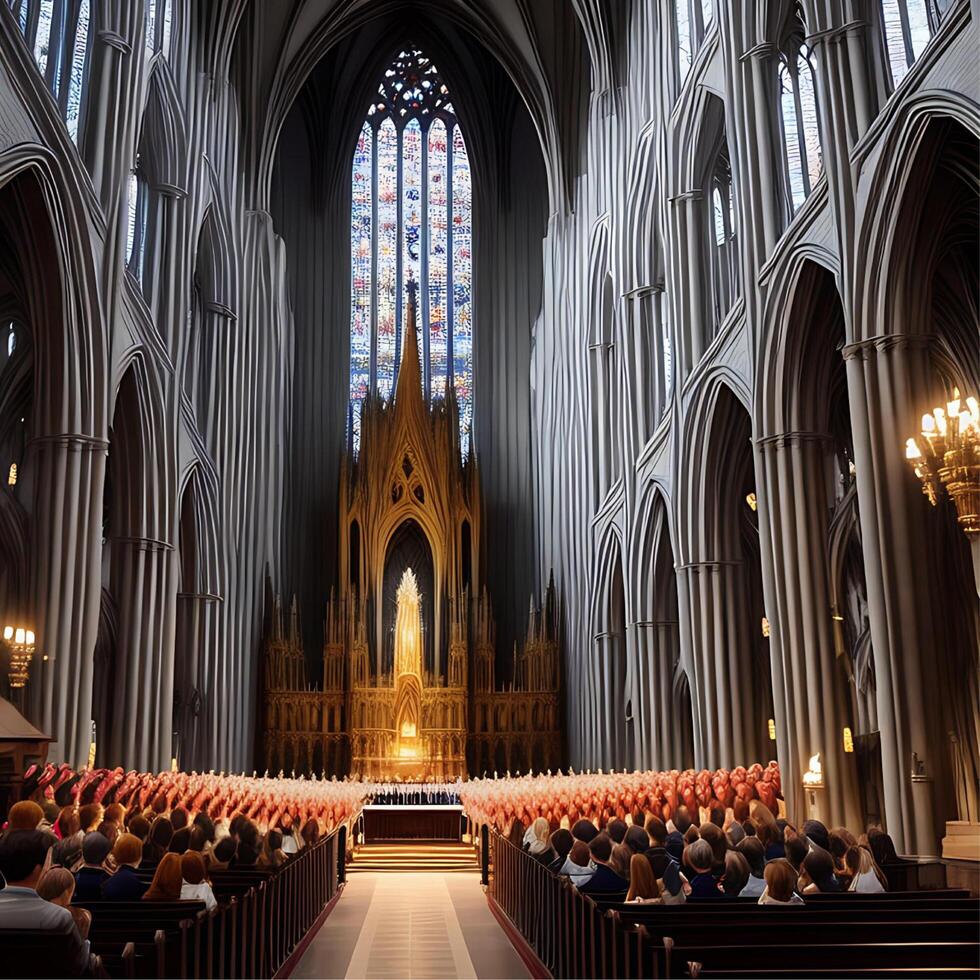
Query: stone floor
{"points": [[412, 925]]}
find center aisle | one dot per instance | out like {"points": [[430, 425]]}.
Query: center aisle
{"points": [[413, 925]]}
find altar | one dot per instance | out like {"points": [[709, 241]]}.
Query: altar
{"points": [[385, 822]]}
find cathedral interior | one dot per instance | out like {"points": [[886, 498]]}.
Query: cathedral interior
{"points": [[441, 388]]}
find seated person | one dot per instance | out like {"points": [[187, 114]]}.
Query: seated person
{"points": [[584, 830], [780, 884], [796, 850], [539, 847], [168, 880], [751, 849], [866, 876], [644, 889], [561, 843], [578, 866], [196, 887], [57, 886], [272, 855], [125, 885], [92, 875], [24, 856], [678, 827], [604, 879], [222, 854], [657, 853], [25, 815], [736, 874], [699, 857], [616, 829], [817, 874], [637, 839]]}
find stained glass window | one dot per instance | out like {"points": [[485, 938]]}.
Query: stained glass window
{"points": [[462, 312], [411, 219], [362, 268], [801, 132]]}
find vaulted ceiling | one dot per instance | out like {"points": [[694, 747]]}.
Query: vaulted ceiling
{"points": [[550, 50]]}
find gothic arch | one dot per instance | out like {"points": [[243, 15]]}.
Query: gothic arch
{"points": [[892, 205], [216, 269], [44, 213], [656, 627], [721, 568], [163, 137], [610, 679], [525, 70]]}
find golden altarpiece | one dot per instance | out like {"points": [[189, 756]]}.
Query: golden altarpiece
{"points": [[409, 684]]}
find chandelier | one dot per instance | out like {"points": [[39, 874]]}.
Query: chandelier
{"points": [[948, 455], [21, 643]]}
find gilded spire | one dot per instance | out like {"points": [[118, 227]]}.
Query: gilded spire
{"points": [[409, 375]]}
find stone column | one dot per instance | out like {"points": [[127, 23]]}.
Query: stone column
{"points": [[657, 650], [686, 231], [808, 681], [887, 377], [143, 582], [713, 598], [69, 474]]}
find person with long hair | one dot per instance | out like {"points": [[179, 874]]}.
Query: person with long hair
{"points": [[539, 847], [818, 872], [167, 881], [621, 859], [866, 876], [644, 889], [736, 874]]}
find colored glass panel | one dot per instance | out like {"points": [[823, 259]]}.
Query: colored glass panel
{"points": [[411, 218], [411, 208], [462, 222], [437, 207], [362, 197], [387, 255]]}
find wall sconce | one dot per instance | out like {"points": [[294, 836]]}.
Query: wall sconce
{"points": [[21, 643], [752, 501], [772, 730], [950, 457], [848, 740], [12, 475], [765, 626], [813, 777]]}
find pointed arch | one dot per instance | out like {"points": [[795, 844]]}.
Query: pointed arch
{"points": [[163, 137], [215, 270]]}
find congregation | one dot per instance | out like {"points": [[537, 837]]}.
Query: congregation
{"points": [[742, 852], [104, 836]]}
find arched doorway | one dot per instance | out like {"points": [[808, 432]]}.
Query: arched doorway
{"points": [[408, 548]]}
